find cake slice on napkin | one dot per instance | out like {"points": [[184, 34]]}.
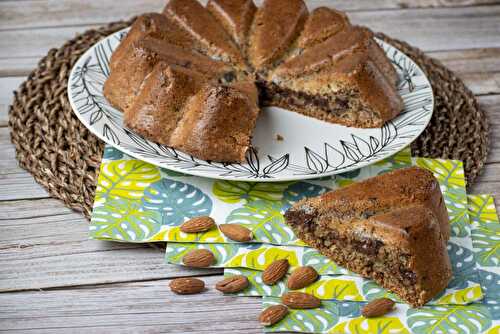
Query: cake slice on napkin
{"points": [[392, 228]]}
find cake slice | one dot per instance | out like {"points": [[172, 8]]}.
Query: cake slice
{"points": [[218, 122], [322, 23], [156, 26], [235, 16], [123, 84], [392, 228], [197, 21], [276, 25], [346, 79], [158, 107]]}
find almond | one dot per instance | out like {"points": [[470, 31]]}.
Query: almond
{"points": [[275, 271], [272, 315], [377, 307], [232, 284], [300, 300], [236, 232], [199, 258], [197, 224], [302, 277], [187, 285]]}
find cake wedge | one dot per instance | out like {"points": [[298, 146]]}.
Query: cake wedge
{"points": [[392, 228]]}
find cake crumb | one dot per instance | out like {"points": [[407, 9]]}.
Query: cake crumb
{"points": [[279, 137]]}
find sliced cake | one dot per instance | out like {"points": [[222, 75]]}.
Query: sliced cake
{"points": [[392, 228], [218, 123], [123, 84], [276, 25], [346, 79], [197, 21], [235, 16]]}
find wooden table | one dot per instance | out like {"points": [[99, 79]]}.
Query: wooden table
{"points": [[53, 279]]}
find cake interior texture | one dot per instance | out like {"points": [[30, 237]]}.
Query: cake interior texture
{"points": [[389, 229], [314, 63]]}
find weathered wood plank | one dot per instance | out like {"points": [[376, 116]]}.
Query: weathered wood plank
{"points": [[62, 12], [45, 245], [30, 43], [132, 307], [429, 29], [16, 183], [478, 68], [17, 67], [489, 182], [7, 87]]}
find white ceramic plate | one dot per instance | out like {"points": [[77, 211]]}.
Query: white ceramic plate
{"points": [[310, 148]]}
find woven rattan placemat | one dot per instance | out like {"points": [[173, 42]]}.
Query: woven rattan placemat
{"points": [[64, 156]]}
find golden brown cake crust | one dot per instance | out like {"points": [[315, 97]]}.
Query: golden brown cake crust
{"points": [[122, 86], [235, 16], [197, 21], [276, 25], [156, 26], [217, 124], [350, 62], [159, 104], [396, 189], [322, 23], [392, 228], [342, 46]]}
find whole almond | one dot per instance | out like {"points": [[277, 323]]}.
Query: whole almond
{"points": [[300, 300], [232, 284], [197, 224], [272, 315], [377, 307], [302, 277], [275, 271], [199, 258], [187, 285], [236, 232]]}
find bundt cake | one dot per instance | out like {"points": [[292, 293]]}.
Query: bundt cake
{"points": [[392, 228], [179, 75]]}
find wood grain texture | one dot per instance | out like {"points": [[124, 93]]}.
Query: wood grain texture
{"points": [[131, 307], [62, 12], [15, 182], [7, 87], [478, 68], [429, 29], [45, 245]]}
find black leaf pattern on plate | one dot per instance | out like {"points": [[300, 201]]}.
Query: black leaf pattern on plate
{"points": [[316, 162], [110, 134], [85, 92], [276, 166]]}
